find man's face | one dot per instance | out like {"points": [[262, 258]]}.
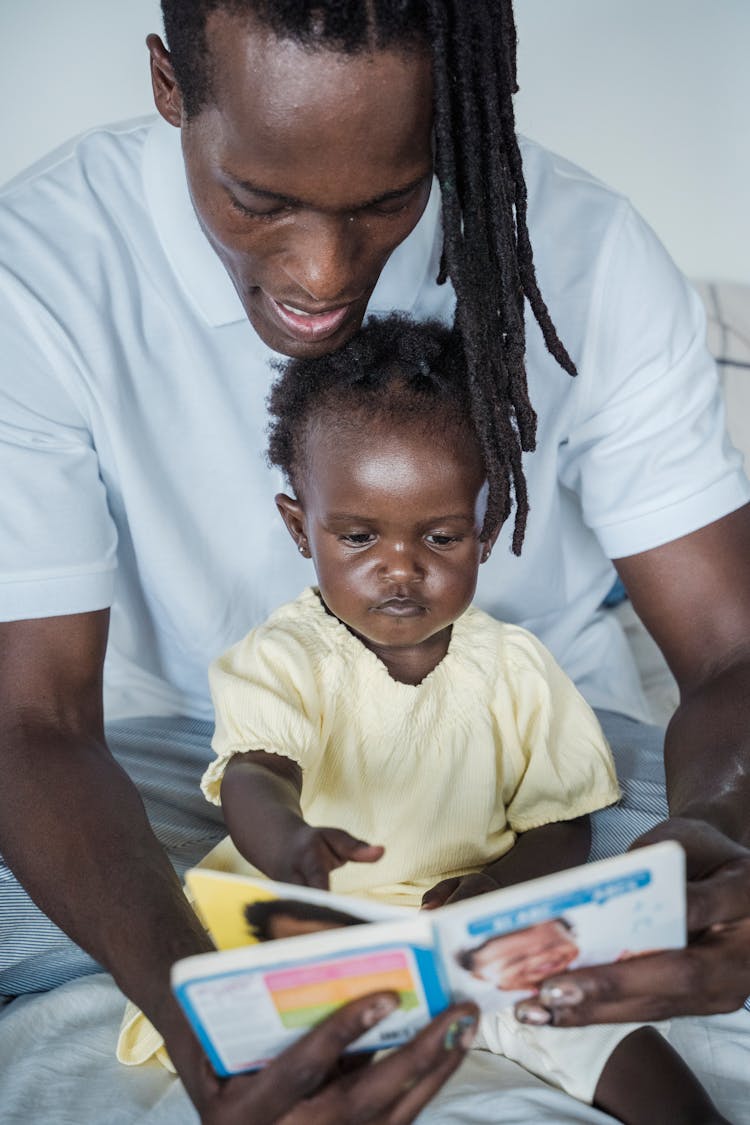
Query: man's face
{"points": [[524, 959], [306, 171]]}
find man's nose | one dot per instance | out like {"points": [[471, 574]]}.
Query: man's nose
{"points": [[323, 259]]}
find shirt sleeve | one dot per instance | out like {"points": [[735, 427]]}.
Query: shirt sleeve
{"points": [[557, 756], [58, 542], [265, 697], [648, 454]]}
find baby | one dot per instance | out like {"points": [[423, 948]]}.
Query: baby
{"points": [[380, 706]]}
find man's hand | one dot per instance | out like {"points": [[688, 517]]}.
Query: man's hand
{"points": [[311, 854], [306, 1084], [457, 888], [711, 975]]}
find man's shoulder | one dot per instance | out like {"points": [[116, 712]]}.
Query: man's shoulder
{"points": [[564, 200], [84, 150], [91, 183], [553, 176]]}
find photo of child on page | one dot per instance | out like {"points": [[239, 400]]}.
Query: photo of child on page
{"points": [[382, 735], [521, 960], [284, 917]]}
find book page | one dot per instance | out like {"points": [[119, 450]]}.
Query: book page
{"points": [[499, 947], [238, 910], [247, 1005]]}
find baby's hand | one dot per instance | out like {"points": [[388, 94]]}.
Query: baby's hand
{"points": [[453, 890], [314, 852]]}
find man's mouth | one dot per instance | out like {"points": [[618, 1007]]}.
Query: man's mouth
{"points": [[306, 325]]}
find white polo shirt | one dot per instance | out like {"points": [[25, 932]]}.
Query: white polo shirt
{"points": [[132, 419]]}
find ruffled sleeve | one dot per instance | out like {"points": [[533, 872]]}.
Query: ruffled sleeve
{"points": [[560, 764], [266, 697]]}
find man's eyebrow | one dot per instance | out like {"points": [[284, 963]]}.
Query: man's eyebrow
{"points": [[457, 516], [294, 201]]}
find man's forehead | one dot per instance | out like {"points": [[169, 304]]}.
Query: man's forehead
{"points": [[242, 47]]}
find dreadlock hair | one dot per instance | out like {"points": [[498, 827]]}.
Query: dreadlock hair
{"points": [[487, 251], [395, 371]]}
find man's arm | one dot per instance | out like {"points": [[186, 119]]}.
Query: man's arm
{"points": [[693, 595], [72, 825]]}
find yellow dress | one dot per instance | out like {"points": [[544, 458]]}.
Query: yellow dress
{"points": [[495, 741]]}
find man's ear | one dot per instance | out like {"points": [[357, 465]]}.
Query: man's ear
{"points": [[293, 515], [167, 95]]}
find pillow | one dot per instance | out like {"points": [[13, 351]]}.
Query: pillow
{"points": [[728, 310]]}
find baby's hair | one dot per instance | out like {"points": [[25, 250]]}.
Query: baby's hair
{"points": [[394, 370]]}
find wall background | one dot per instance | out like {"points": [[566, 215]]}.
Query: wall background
{"points": [[650, 95]]}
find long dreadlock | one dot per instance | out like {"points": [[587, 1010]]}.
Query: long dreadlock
{"points": [[487, 251]]}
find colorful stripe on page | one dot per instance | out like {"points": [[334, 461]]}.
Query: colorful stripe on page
{"points": [[302, 996]]}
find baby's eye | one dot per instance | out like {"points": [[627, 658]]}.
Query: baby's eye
{"points": [[358, 538], [437, 540]]}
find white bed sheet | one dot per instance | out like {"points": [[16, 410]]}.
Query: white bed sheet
{"points": [[58, 1067]]}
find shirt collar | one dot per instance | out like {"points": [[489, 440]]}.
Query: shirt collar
{"points": [[190, 254], [203, 277]]}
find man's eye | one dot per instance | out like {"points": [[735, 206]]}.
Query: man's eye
{"points": [[398, 204], [394, 208], [257, 212], [358, 538]]}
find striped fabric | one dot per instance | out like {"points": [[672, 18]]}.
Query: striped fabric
{"points": [[166, 758]]}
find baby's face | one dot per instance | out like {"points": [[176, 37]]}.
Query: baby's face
{"points": [[393, 518], [524, 959]]}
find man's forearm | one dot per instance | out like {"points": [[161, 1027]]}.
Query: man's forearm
{"points": [[707, 753], [75, 833]]}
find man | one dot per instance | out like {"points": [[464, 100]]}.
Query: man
{"points": [[152, 275]]}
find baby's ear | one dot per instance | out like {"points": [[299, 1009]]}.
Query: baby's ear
{"points": [[490, 542], [293, 515]]}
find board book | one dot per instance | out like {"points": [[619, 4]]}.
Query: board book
{"points": [[287, 956]]}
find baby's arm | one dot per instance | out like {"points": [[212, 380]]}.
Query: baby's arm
{"points": [[260, 796], [645, 1080], [540, 851]]}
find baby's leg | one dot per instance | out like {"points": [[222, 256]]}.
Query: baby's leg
{"points": [[645, 1081]]}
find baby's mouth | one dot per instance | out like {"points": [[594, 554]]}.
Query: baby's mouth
{"points": [[400, 607]]}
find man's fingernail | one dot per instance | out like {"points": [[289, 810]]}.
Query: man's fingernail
{"points": [[565, 994], [378, 1010], [460, 1033], [532, 1014]]}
